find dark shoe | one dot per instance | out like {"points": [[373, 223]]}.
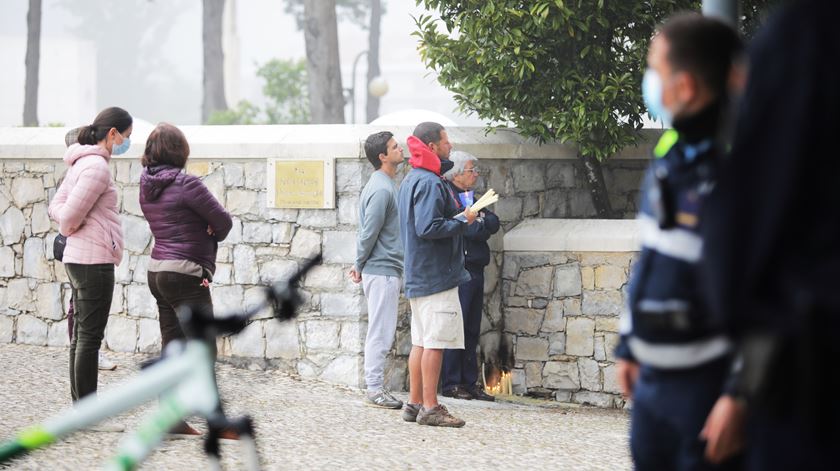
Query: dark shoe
{"points": [[410, 411], [458, 392], [438, 416], [479, 394]]}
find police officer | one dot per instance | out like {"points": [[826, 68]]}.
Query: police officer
{"points": [[673, 360]]}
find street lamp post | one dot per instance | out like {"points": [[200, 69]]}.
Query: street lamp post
{"points": [[377, 87]]}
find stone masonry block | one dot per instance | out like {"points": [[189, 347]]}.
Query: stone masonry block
{"points": [[554, 318], [131, 201], [535, 282], [257, 232], [609, 277], [35, 260], [57, 336], [305, 243], [26, 191], [611, 380], [276, 270], [148, 340], [281, 340], [227, 299], [48, 296], [529, 177], [593, 399], [587, 278], [7, 262], [140, 302], [31, 330], [250, 343], [318, 218], [567, 280], [342, 305], [561, 375], [523, 321], [121, 334], [531, 348], [344, 370], [322, 335], [533, 374], [339, 247], [12, 224], [606, 324], [245, 269], [580, 333], [590, 374], [18, 295], [7, 329], [136, 232], [330, 277], [602, 303], [348, 210], [557, 344], [40, 219]]}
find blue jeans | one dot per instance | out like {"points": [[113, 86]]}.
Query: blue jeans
{"points": [[460, 367]]}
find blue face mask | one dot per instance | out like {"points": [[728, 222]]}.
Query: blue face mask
{"points": [[121, 148], [652, 95]]}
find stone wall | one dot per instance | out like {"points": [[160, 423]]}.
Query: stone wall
{"points": [[327, 340], [561, 302]]}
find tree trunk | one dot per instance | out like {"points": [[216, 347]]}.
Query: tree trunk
{"points": [[214, 59], [326, 100], [594, 177], [33, 59], [373, 58]]}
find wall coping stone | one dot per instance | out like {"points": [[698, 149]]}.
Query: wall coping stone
{"points": [[573, 235], [313, 141]]}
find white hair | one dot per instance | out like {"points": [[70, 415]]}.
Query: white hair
{"points": [[460, 159]]}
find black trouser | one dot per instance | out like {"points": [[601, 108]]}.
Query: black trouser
{"points": [[172, 290], [460, 367], [93, 290]]}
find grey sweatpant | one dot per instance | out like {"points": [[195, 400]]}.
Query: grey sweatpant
{"points": [[383, 294]]}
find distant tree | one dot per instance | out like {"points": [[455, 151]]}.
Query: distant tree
{"points": [[285, 89], [214, 59], [355, 11], [33, 59], [326, 97], [558, 70], [372, 107]]}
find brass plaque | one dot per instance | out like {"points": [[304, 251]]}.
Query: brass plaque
{"points": [[301, 184]]}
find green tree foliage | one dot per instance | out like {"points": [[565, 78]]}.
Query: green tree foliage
{"points": [[557, 70], [286, 92]]}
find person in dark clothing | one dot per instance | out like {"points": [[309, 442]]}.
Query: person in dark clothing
{"points": [[460, 367], [772, 258], [672, 359], [187, 223]]}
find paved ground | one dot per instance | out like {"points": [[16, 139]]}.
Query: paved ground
{"points": [[311, 425]]}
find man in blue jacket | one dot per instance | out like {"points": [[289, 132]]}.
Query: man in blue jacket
{"points": [[434, 267]]}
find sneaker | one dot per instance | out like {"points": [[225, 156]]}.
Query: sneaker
{"points": [[383, 398], [479, 394], [438, 416], [106, 425], [458, 392], [105, 363], [410, 411]]}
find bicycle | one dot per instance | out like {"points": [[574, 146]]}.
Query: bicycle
{"points": [[184, 379]]}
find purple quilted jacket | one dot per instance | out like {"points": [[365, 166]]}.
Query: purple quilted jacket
{"points": [[179, 208]]}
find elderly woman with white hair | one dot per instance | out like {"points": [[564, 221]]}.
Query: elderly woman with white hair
{"points": [[460, 367]]}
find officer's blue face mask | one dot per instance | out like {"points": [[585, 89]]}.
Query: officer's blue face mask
{"points": [[121, 148], [652, 95]]}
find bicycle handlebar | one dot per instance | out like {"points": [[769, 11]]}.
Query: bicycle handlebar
{"points": [[199, 322]]}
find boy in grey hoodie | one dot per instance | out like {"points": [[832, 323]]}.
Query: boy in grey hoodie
{"points": [[379, 261]]}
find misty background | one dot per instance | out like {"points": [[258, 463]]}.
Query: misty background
{"points": [[146, 56]]}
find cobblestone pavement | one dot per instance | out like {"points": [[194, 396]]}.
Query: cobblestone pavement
{"points": [[312, 425]]}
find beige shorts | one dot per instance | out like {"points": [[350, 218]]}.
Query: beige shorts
{"points": [[437, 321]]}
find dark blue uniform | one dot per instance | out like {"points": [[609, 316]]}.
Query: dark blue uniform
{"points": [[684, 357]]}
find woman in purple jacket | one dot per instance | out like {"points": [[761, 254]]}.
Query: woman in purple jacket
{"points": [[187, 222]]}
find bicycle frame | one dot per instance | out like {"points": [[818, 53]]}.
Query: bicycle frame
{"points": [[184, 379], [187, 386]]}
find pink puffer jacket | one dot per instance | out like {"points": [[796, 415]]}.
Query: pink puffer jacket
{"points": [[85, 208]]}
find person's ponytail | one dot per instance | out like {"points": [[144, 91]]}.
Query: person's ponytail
{"points": [[108, 118]]}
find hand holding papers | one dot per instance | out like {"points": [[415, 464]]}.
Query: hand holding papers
{"points": [[486, 200]]}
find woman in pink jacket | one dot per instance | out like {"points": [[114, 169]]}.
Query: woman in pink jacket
{"points": [[85, 208]]}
